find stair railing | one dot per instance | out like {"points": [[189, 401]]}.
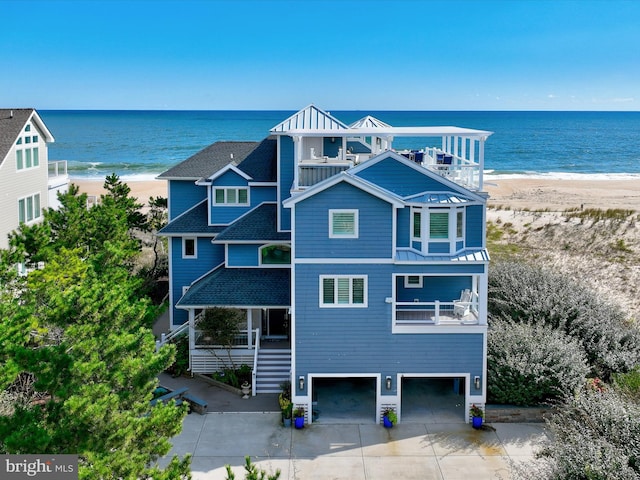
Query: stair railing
{"points": [[166, 337], [254, 372]]}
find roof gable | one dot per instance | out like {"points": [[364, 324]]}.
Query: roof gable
{"points": [[357, 182], [369, 122], [12, 123], [310, 118], [375, 171]]}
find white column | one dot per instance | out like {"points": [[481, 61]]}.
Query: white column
{"points": [[297, 156], [249, 328], [192, 334], [481, 161], [483, 299]]}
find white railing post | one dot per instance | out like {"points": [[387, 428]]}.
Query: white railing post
{"points": [[254, 372], [437, 311]]}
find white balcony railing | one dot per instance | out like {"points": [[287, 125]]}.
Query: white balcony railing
{"points": [[58, 168], [436, 313]]}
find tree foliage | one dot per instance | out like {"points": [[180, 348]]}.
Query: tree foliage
{"points": [[79, 325]]}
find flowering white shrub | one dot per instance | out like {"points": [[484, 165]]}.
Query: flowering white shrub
{"points": [[529, 294], [530, 364], [596, 436]]}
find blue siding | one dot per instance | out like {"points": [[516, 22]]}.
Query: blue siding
{"points": [[225, 215], [285, 179], [242, 255], [185, 271], [359, 340], [400, 179], [403, 232], [439, 247], [445, 289], [473, 226], [230, 179], [330, 148], [183, 195], [375, 219]]}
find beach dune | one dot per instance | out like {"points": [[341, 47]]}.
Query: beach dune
{"points": [[515, 193]]}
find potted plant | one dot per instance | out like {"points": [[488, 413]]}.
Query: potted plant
{"points": [[477, 414], [389, 417], [246, 389], [286, 415], [298, 417]]}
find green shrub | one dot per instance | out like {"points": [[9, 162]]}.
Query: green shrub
{"points": [[628, 384], [529, 294], [531, 364]]}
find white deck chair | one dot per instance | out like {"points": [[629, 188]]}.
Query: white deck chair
{"points": [[462, 306]]}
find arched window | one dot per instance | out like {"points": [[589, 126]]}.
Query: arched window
{"points": [[275, 255]]}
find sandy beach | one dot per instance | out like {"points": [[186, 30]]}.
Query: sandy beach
{"points": [[514, 193], [141, 189]]}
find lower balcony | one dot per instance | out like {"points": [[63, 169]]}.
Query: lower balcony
{"points": [[437, 313]]}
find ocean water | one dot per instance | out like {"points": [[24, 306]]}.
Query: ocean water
{"points": [[143, 144]]}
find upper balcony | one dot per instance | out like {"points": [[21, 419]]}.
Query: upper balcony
{"points": [[324, 146]]}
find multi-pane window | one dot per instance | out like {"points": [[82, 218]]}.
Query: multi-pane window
{"points": [[343, 223], [29, 208], [343, 291], [231, 196], [27, 157]]}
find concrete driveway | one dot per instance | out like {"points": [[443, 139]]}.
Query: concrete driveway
{"points": [[352, 452]]}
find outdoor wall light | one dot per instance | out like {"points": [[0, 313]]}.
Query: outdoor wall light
{"points": [[388, 381], [301, 382], [476, 382]]}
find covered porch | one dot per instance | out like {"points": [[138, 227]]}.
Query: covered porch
{"points": [[262, 296], [427, 301]]}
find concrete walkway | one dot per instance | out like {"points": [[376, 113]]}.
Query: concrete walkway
{"points": [[353, 452]]}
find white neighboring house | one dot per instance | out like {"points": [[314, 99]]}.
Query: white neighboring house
{"points": [[28, 182]]}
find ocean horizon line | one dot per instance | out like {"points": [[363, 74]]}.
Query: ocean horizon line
{"points": [[364, 110], [488, 176]]}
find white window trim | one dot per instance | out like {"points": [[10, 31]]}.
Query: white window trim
{"points": [[226, 195], [464, 223], [412, 285], [365, 293], [184, 247], [355, 223], [419, 238], [427, 231], [32, 158], [35, 218]]}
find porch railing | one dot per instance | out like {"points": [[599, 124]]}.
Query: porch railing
{"points": [[434, 313], [311, 174], [241, 340]]}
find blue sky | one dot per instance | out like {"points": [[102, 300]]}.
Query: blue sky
{"points": [[338, 54]]}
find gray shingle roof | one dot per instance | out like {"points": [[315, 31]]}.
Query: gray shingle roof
{"points": [[260, 224], [209, 160], [261, 163], [257, 159], [11, 127], [268, 287], [192, 221]]}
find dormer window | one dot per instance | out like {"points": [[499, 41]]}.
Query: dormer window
{"points": [[231, 196]]}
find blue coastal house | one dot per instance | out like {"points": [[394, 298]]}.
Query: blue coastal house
{"points": [[353, 260]]}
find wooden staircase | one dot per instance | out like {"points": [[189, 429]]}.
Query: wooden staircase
{"points": [[274, 367]]}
